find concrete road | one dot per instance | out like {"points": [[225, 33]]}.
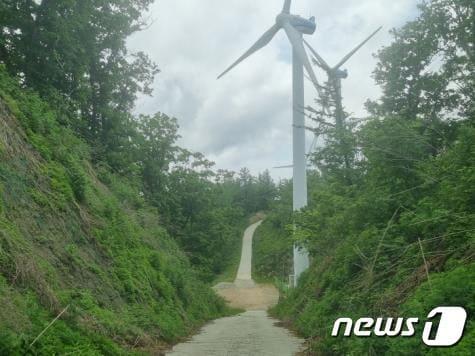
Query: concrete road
{"points": [[250, 333], [244, 271]]}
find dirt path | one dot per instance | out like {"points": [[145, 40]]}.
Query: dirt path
{"points": [[250, 333]]}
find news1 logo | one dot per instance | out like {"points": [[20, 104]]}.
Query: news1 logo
{"points": [[448, 332]]}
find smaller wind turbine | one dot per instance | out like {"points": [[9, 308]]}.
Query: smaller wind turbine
{"points": [[335, 75]]}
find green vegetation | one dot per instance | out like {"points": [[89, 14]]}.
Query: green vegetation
{"points": [[69, 239], [272, 243], [103, 218], [106, 222], [393, 197], [81, 235]]}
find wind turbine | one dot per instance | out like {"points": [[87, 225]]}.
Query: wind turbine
{"points": [[335, 75], [295, 27]]}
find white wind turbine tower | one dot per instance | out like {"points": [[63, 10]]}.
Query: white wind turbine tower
{"points": [[294, 26]]}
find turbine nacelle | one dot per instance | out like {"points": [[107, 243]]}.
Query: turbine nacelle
{"points": [[340, 73], [302, 25]]}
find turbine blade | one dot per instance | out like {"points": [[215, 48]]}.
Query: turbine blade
{"points": [[295, 39], [261, 42], [349, 55], [286, 8], [320, 60]]}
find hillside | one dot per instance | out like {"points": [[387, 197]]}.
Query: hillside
{"points": [[78, 236], [108, 228]]}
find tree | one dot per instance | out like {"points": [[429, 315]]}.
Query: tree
{"points": [[428, 70], [335, 126], [77, 50], [246, 191], [157, 151], [265, 191]]}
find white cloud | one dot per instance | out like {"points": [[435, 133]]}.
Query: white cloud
{"points": [[244, 119]]}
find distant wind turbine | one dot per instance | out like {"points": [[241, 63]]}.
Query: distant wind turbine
{"points": [[294, 26], [335, 75]]}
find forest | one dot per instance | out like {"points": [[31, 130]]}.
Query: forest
{"points": [[108, 222]]}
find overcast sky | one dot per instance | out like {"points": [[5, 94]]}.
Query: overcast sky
{"points": [[244, 119]]}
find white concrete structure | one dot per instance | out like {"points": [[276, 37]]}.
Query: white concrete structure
{"points": [[294, 26]]}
